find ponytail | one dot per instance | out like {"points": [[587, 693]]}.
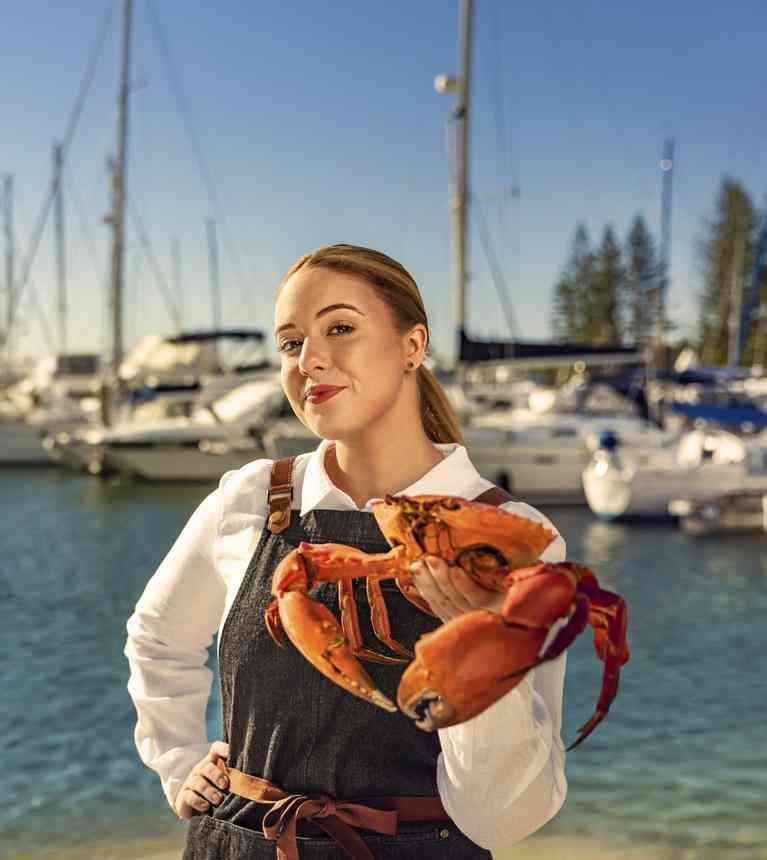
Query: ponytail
{"points": [[439, 420]]}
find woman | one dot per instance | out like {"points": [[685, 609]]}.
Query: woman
{"points": [[352, 334]]}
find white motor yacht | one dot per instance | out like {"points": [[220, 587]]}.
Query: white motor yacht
{"points": [[703, 464], [165, 377], [59, 395], [223, 435], [539, 453]]}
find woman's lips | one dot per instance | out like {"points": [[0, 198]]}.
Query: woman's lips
{"points": [[320, 394]]}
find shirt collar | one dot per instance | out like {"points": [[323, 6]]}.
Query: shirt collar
{"points": [[455, 475]]}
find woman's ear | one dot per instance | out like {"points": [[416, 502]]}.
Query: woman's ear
{"points": [[416, 342]]}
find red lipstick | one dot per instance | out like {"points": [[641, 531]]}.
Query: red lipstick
{"points": [[320, 393]]}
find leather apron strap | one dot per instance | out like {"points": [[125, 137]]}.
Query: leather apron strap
{"points": [[280, 495], [494, 496]]}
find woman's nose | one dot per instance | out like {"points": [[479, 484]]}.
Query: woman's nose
{"points": [[312, 357]]}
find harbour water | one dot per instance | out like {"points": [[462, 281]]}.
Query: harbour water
{"points": [[678, 769]]}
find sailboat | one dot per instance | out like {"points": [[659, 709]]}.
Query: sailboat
{"points": [[538, 448], [59, 392]]}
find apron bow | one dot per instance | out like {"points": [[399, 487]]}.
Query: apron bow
{"points": [[338, 820]]}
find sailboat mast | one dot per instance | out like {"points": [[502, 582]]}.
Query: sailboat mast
{"points": [[175, 251], [118, 196], [460, 87], [61, 265], [460, 201], [667, 168], [8, 229], [215, 287]]}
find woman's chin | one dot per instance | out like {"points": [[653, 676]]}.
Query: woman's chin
{"points": [[323, 427], [334, 430]]}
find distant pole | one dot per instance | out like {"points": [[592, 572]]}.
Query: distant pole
{"points": [[664, 269], [117, 217], [175, 250], [61, 263], [461, 198], [8, 230], [118, 179], [461, 88], [135, 288], [215, 289]]}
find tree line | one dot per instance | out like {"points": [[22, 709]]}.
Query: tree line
{"points": [[609, 294]]}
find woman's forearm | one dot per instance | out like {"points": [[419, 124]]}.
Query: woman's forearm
{"points": [[501, 774]]}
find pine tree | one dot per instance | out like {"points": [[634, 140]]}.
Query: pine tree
{"points": [[564, 315], [603, 321], [755, 351], [640, 284], [572, 291], [727, 252]]}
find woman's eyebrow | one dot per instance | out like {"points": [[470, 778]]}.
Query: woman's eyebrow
{"points": [[322, 312]]}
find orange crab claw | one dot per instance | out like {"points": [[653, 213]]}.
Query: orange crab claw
{"points": [[464, 667], [475, 659], [316, 633], [311, 626]]}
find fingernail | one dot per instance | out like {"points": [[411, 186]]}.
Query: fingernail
{"points": [[222, 782]]}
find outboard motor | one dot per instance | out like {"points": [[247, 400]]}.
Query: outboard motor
{"points": [[606, 482]]}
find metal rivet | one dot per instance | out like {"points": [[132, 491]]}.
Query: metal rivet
{"points": [[276, 517], [444, 834]]}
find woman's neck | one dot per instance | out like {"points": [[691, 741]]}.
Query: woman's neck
{"points": [[369, 470]]}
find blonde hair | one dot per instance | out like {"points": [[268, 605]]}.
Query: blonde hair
{"points": [[396, 287]]}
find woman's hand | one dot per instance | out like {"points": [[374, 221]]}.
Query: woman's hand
{"points": [[205, 784], [450, 591]]}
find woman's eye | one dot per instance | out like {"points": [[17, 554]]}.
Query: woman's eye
{"points": [[336, 328], [344, 326], [288, 345]]}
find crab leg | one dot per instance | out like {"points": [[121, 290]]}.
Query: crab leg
{"points": [[605, 611], [351, 624], [379, 618], [608, 617], [311, 626]]}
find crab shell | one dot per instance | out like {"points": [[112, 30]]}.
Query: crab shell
{"points": [[485, 541]]}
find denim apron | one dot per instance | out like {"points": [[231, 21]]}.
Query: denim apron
{"points": [[286, 722]]}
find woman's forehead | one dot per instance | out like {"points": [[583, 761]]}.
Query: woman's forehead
{"points": [[310, 290]]}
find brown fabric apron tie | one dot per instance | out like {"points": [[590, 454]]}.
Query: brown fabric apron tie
{"points": [[337, 819]]}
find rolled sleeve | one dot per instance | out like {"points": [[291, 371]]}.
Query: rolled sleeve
{"points": [[501, 774], [169, 634]]}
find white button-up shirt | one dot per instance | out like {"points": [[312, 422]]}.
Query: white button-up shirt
{"points": [[500, 775]]}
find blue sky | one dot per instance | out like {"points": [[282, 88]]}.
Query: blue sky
{"points": [[319, 123]]}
